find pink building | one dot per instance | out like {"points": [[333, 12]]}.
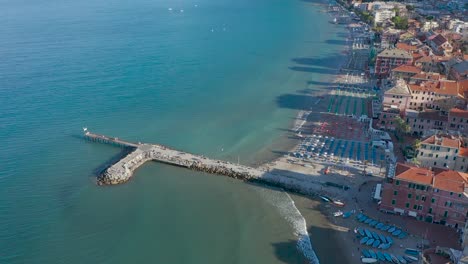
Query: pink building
{"points": [[390, 59], [435, 196]]}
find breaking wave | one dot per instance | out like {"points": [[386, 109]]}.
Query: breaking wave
{"points": [[289, 211]]}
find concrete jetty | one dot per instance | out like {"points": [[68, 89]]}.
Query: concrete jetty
{"points": [[122, 170]]}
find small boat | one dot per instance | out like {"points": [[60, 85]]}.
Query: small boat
{"points": [[338, 213], [369, 260], [408, 259], [368, 220], [347, 214], [359, 216], [364, 218], [324, 198], [391, 229], [387, 257], [373, 223], [368, 233], [385, 228], [361, 232], [375, 235], [386, 246], [364, 240], [401, 259], [376, 243], [338, 203], [402, 235], [389, 240], [411, 251], [381, 246], [396, 232], [394, 258], [379, 225], [382, 238], [370, 241], [372, 253], [412, 258], [380, 255], [365, 253]]}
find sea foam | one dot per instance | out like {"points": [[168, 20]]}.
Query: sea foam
{"points": [[289, 211]]}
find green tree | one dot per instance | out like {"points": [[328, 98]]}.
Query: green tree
{"points": [[400, 22], [401, 126], [409, 7], [416, 144]]}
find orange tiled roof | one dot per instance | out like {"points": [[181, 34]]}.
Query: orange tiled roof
{"points": [[452, 181], [428, 76], [458, 113], [414, 174], [444, 141], [407, 68], [442, 179], [438, 87], [407, 47]]}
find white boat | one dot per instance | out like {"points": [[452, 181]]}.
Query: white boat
{"points": [[369, 260], [338, 213], [325, 199], [338, 203]]}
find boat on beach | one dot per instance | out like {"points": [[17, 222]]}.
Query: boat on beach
{"points": [[368, 233], [361, 232], [338, 213], [365, 253], [372, 253], [411, 251], [364, 240], [380, 256], [369, 260], [391, 230], [379, 225], [338, 203], [370, 241], [376, 243], [387, 257], [324, 198], [401, 259], [396, 232], [385, 228]]}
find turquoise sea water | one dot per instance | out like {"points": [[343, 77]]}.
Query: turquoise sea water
{"points": [[217, 79]]}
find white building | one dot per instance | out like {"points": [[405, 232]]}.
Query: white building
{"points": [[382, 15], [429, 25]]}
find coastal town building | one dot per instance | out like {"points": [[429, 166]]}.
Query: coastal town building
{"points": [[405, 72], [435, 196], [421, 122], [390, 59], [440, 45], [383, 15], [457, 120], [443, 151], [429, 25], [437, 95], [459, 71]]}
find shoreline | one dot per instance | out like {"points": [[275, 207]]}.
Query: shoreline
{"points": [[338, 246]]}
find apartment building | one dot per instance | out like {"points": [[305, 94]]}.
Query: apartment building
{"points": [[443, 151], [389, 59], [435, 196]]}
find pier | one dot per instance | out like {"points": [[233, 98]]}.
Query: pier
{"points": [[121, 171]]}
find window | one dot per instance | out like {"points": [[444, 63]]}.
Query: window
{"points": [[454, 158], [433, 200], [420, 207], [395, 192], [446, 156], [448, 204], [451, 193], [430, 210], [445, 213], [437, 155], [397, 182], [417, 197], [435, 163], [407, 205], [409, 195], [423, 198], [393, 201], [415, 207], [459, 195], [436, 190], [445, 164]]}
